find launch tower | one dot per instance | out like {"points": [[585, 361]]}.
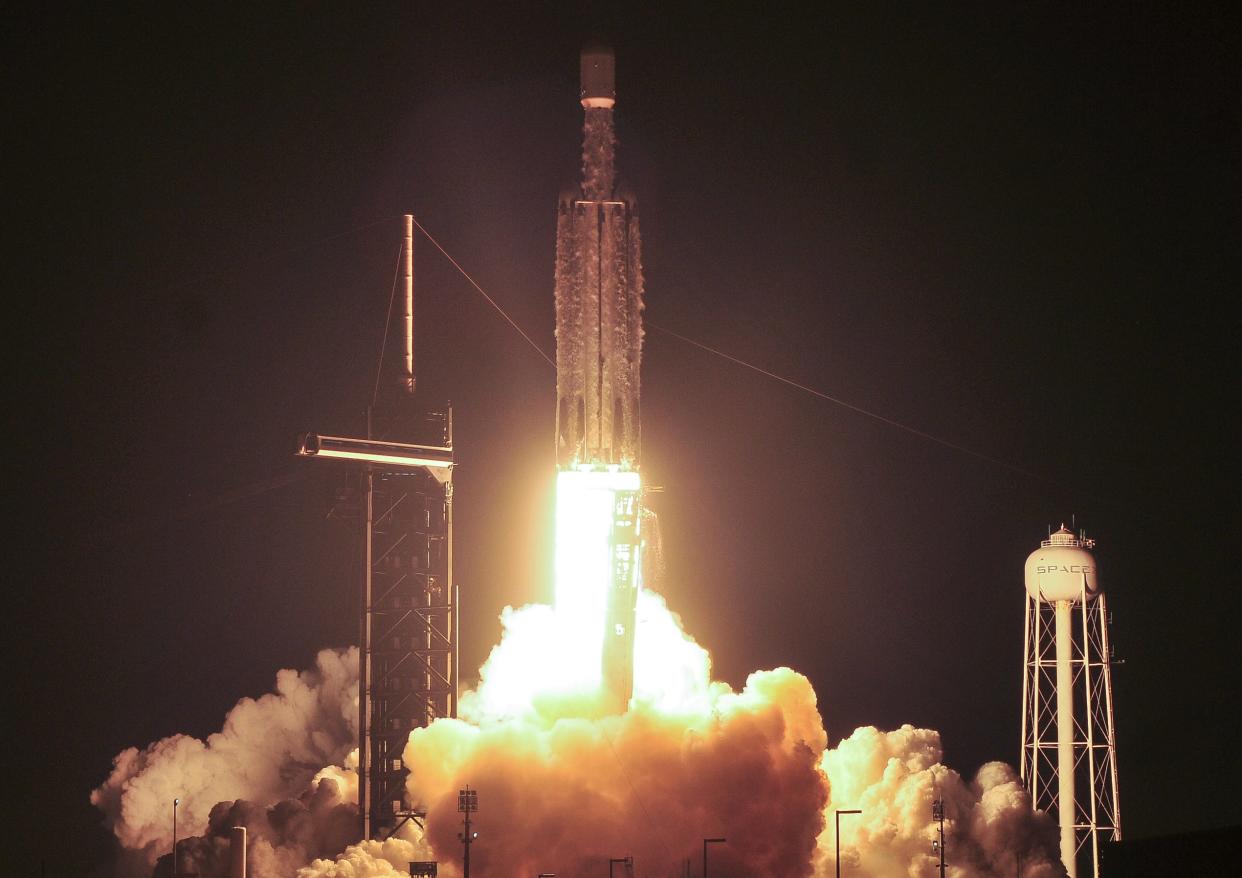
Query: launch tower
{"points": [[599, 290], [1069, 752], [403, 500]]}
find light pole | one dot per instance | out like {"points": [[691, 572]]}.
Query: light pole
{"points": [[938, 817], [841, 811], [467, 804], [706, 842], [175, 802]]}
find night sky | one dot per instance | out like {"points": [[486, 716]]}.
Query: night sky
{"points": [[1010, 227]]}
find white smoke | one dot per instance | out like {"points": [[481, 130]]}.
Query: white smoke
{"points": [[894, 777], [693, 759], [374, 859], [280, 837], [563, 787], [269, 750]]}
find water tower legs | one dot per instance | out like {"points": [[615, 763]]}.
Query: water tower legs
{"points": [[1066, 807]]}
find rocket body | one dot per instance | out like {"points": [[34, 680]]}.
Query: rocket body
{"points": [[599, 296], [598, 354]]}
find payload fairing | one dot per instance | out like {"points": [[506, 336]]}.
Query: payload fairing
{"points": [[599, 301]]}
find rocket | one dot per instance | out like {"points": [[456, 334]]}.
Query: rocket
{"points": [[599, 294], [599, 301]]}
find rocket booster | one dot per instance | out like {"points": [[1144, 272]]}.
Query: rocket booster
{"points": [[599, 294], [599, 301]]}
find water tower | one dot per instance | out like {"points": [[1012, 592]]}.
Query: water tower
{"points": [[1069, 749]]}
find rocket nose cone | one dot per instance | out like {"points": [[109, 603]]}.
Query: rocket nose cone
{"points": [[598, 76]]}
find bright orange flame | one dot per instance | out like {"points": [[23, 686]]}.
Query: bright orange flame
{"points": [[585, 504]]}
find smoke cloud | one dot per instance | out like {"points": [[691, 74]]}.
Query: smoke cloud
{"points": [[894, 777], [269, 750], [280, 838], [564, 787], [372, 859]]}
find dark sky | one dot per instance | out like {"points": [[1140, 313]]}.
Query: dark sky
{"points": [[1012, 227]]}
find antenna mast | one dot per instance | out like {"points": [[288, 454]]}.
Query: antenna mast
{"points": [[407, 376]]}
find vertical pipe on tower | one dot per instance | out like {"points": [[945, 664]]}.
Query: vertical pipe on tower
{"points": [[450, 590], [237, 852], [1037, 726], [364, 649], [455, 627], [1088, 691], [1026, 688], [1101, 608], [1066, 806], [407, 377]]}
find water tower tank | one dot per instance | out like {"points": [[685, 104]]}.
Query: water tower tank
{"points": [[1062, 568]]}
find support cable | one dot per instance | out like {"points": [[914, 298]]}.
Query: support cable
{"points": [[379, 367], [862, 411], [740, 362], [194, 509], [655, 828], [483, 293]]}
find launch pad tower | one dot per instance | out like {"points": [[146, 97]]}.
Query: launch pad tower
{"points": [[1068, 740], [403, 494]]}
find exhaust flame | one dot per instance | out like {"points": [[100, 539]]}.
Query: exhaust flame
{"points": [[585, 504]]}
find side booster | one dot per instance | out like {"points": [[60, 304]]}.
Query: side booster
{"points": [[599, 290]]}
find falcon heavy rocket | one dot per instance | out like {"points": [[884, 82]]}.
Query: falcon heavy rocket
{"points": [[599, 290]]}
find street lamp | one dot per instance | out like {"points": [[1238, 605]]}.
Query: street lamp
{"points": [[706, 842], [176, 802], [841, 811], [467, 804]]}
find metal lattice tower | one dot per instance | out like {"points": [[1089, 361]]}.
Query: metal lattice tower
{"points": [[1069, 749], [403, 493], [408, 667]]}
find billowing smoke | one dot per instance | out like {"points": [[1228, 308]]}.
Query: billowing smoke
{"points": [[372, 859], [280, 837], [269, 751], [893, 778], [563, 787]]}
